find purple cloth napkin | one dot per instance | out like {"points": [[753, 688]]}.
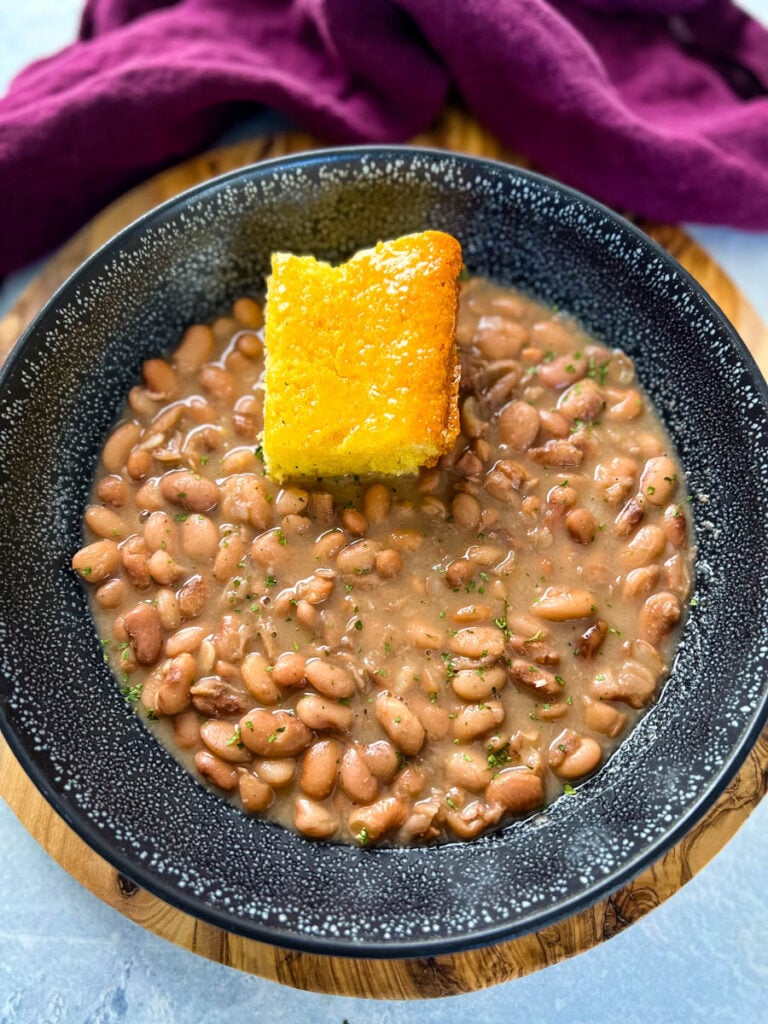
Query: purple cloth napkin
{"points": [[658, 106]]}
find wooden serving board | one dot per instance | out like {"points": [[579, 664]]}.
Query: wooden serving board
{"points": [[395, 979]]}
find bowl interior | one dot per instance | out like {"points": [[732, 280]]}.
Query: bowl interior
{"points": [[61, 708]]}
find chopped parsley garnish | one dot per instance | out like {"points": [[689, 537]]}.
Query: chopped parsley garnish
{"points": [[499, 757], [132, 693]]}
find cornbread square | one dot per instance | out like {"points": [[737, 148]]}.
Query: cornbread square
{"points": [[362, 372]]}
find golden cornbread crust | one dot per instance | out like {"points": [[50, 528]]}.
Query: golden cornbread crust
{"points": [[362, 373]]}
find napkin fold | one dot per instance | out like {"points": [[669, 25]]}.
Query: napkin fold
{"points": [[655, 106]]}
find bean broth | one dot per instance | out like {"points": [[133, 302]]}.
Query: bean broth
{"points": [[396, 660]]}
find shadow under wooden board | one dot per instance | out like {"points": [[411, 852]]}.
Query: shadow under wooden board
{"points": [[395, 979]]}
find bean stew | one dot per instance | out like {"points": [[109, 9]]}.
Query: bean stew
{"points": [[394, 660]]}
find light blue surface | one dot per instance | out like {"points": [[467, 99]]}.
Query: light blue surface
{"points": [[66, 958]]}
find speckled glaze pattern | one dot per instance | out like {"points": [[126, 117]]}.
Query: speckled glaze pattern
{"points": [[62, 711]]}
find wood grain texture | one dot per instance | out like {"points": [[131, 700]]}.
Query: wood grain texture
{"points": [[394, 979]]}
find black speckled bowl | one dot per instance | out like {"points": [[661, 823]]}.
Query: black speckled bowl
{"points": [[105, 774]]}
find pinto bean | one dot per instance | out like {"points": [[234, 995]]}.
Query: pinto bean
{"points": [[230, 554], [164, 569], [476, 685], [571, 755], [216, 771], [471, 820], [499, 338], [168, 608], [468, 769], [354, 522], [645, 547], [187, 639], [519, 424], [229, 639], [557, 452], [592, 639], [250, 346], [465, 511], [356, 778], [658, 616], [616, 478], [245, 415], [388, 563], [370, 823], [629, 517], [191, 597], [110, 594], [149, 497], [553, 423], [243, 500], [139, 464], [113, 490], [562, 370], [267, 550], [406, 539], [329, 680], [195, 349], [477, 719], [376, 503], [623, 404], [358, 557], [145, 629], [193, 492], [383, 760], [581, 525], [223, 739], [472, 423], [481, 642], [604, 718], [105, 523], [118, 446], [674, 525], [314, 819], [583, 401], [459, 573], [321, 714], [291, 501], [257, 676], [320, 768], [95, 562], [559, 500], [160, 379], [186, 730], [289, 669], [658, 480], [400, 723], [218, 382], [561, 603], [640, 582], [275, 771], [538, 681], [254, 792], [134, 555], [274, 733], [328, 545], [199, 538], [516, 789]]}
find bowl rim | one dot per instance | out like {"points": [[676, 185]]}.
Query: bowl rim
{"points": [[410, 948]]}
